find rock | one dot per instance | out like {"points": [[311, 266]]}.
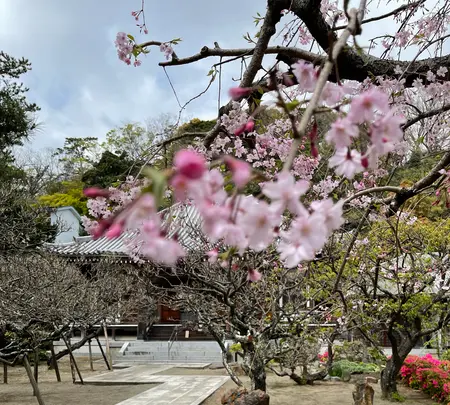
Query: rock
{"points": [[231, 396], [241, 396], [327, 378], [335, 379], [363, 394]]}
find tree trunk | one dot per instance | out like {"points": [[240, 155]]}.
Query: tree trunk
{"points": [[254, 366], [401, 344], [79, 344], [389, 375]]}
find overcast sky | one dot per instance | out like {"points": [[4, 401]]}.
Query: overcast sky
{"points": [[82, 87]]}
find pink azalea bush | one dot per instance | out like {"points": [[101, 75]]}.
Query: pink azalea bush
{"points": [[322, 357], [430, 375]]}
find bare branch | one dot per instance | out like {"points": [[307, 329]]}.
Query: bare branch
{"points": [[426, 114]]}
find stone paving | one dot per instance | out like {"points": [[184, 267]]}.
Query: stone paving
{"points": [[172, 389]]}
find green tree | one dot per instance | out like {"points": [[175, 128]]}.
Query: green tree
{"points": [[64, 194], [17, 120], [77, 155], [395, 283], [110, 170], [22, 225]]}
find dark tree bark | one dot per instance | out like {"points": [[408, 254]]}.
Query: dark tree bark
{"points": [[254, 367], [78, 344], [402, 345]]}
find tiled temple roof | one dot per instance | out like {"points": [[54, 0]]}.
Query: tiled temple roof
{"points": [[185, 221]]}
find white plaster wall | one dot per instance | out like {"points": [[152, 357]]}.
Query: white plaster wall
{"points": [[68, 223]]}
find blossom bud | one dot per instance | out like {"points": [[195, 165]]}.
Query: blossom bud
{"points": [[239, 131], [288, 80], [250, 125], [365, 162], [237, 93], [241, 171], [190, 164], [314, 150], [94, 192], [115, 230]]}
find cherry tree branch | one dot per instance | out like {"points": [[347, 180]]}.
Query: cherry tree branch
{"points": [[405, 194], [155, 43], [426, 114], [272, 17], [382, 189], [352, 29], [383, 16], [207, 52]]}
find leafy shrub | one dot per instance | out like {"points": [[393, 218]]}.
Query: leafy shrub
{"points": [[446, 355], [428, 374], [345, 367], [235, 348]]}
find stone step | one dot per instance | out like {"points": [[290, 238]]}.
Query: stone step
{"points": [[161, 350], [174, 346], [164, 354], [175, 363], [178, 356], [173, 359]]}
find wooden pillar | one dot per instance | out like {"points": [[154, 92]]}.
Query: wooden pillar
{"points": [[5, 373], [33, 382], [55, 362], [91, 364], [73, 359], [103, 353], [36, 364], [108, 350]]}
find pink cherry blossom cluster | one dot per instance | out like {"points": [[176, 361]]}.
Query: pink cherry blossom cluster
{"points": [[124, 47], [370, 108], [271, 145], [237, 221], [103, 204], [166, 49]]}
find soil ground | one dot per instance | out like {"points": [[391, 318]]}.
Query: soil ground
{"points": [[18, 391], [282, 391]]}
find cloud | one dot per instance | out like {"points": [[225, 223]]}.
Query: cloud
{"points": [[77, 80]]}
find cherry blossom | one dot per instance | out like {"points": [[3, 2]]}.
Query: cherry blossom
{"points": [[124, 47], [306, 75], [254, 275], [166, 49], [241, 171], [305, 237], [285, 192], [347, 162], [213, 255], [341, 133], [364, 106]]}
